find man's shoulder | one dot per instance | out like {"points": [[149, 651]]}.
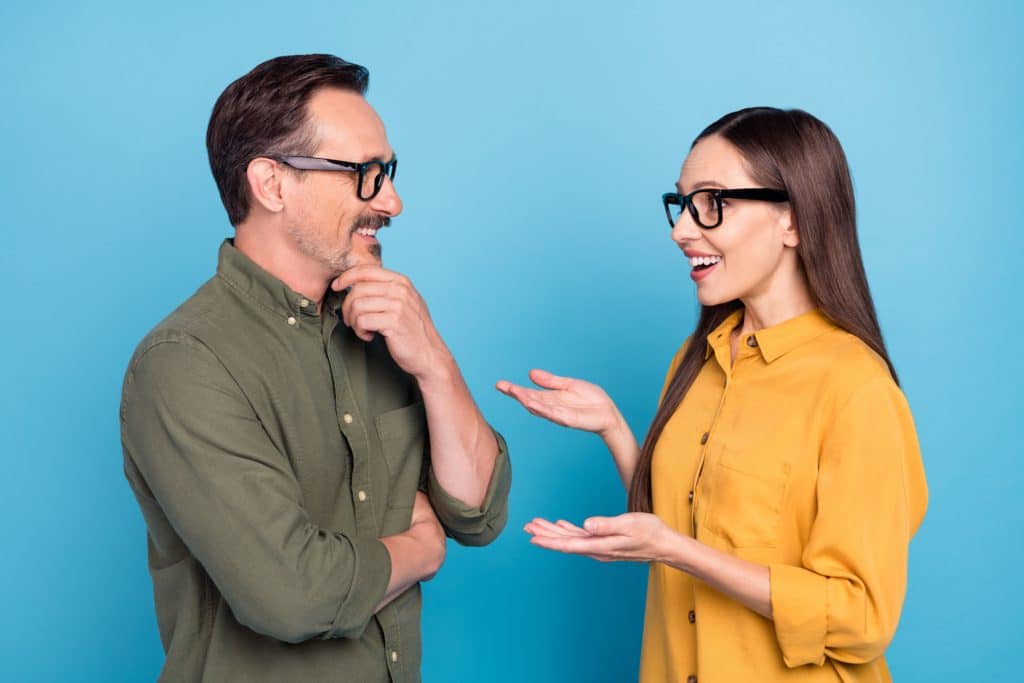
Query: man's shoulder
{"points": [[188, 325]]}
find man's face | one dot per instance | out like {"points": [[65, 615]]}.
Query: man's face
{"points": [[326, 219]]}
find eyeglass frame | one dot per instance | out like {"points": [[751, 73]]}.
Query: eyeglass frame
{"points": [[304, 163], [685, 201]]}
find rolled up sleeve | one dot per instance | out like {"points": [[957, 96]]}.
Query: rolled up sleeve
{"points": [[194, 444], [475, 526], [844, 601]]}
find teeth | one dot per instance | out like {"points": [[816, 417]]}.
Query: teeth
{"points": [[704, 260], [369, 232]]}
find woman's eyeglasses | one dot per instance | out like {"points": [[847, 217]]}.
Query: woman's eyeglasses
{"points": [[705, 206]]}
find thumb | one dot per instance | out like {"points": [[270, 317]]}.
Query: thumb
{"points": [[601, 526], [547, 380]]}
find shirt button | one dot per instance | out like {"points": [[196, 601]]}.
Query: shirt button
{"points": [[752, 342], [292, 321], [347, 418], [394, 656], [704, 438], [303, 302], [690, 496], [361, 496], [692, 616]]}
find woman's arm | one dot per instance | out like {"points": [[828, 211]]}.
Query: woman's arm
{"points": [[580, 405]]}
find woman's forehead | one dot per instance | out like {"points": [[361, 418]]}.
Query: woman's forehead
{"points": [[714, 162]]}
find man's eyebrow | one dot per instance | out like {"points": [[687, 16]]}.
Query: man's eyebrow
{"points": [[379, 157]]}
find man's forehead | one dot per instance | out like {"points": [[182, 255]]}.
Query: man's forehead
{"points": [[347, 127]]}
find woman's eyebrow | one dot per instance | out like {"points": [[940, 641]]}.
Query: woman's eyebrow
{"points": [[702, 184]]}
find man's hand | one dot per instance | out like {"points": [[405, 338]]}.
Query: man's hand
{"points": [[384, 302], [416, 554], [427, 530]]}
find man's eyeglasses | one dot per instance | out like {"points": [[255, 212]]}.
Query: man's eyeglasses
{"points": [[371, 173], [706, 205]]}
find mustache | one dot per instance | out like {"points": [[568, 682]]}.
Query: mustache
{"points": [[371, 221]]}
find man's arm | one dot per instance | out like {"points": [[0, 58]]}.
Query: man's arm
{"points": [[194, 445], [469, 474], [417, 554]]}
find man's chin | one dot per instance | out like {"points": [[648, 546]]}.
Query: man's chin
{"points": [[365, 257]]}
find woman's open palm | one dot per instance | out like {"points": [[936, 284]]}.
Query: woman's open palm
{"points": [[564, 400]]}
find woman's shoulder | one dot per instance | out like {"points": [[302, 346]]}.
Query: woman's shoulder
{"points": [[850, 364]]}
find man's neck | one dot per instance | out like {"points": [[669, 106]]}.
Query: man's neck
{"points": [[281, 258]]}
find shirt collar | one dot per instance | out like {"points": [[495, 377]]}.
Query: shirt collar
{"points": [[245, 275], [776, 341]]}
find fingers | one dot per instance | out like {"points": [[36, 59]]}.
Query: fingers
{"points": [[569, 526], [520, 393], [605, 526], [506, 387], [561, 528], [369, 304], [548, 380], [367, 272], [594, 546], [367, 324], [534, 401], [370, 294]]}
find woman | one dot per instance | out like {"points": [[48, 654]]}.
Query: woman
{"points": [[780, 482]]}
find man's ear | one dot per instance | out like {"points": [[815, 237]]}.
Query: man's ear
{"points": [[790, 233], [264, 177]]}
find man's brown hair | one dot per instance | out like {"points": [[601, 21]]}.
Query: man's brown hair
{"points": [[264, 113]]}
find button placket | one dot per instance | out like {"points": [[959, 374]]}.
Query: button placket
{"points": [[705, 437], [353, 429]]}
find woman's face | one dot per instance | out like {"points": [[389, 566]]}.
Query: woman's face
{"points": [[756, 241]]}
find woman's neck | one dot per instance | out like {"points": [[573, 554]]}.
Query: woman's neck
{"points": [[785, 298]]}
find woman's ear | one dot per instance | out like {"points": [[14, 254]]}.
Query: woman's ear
{"points": [[790, 234]]}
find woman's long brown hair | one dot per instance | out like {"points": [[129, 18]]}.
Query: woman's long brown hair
{"points": [[793, 151]]}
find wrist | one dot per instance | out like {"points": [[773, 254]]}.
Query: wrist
{"points": [[438, 374], [677, 551], [430, 547], [616, 430]]}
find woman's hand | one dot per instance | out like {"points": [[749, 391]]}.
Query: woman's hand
{"points": [[632, 537], [642, 537], [566, 401]]}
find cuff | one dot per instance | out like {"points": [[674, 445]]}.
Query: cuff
{"points": [[475, 525], [369, 584], [799, 600]]}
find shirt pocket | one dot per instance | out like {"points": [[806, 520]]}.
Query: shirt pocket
{"points": [[403, 439], [748, 491]]}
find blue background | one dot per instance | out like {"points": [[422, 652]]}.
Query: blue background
{"points": [[535, 139]]}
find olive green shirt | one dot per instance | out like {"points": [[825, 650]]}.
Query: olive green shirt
{"points": [[270, 449]]}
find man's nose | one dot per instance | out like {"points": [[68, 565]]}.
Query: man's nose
{"points": [[387, 200]]}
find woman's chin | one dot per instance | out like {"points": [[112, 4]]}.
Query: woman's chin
{"points": [[708, 297]]}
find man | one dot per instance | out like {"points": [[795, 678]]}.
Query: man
{"points": [[297, 434]]}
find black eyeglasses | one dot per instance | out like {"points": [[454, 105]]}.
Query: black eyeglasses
{"points": [[706, 205], [371, 173]]}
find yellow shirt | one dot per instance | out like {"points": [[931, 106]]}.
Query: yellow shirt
{"points": [[800, 456]]}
